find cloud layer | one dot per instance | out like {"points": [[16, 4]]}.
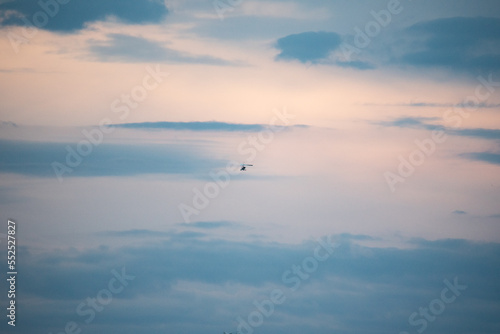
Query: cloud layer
{"points": [[468, 45], [86, 159], [223, 279]]}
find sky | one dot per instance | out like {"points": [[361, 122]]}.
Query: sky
{"points": [[372, 202]]}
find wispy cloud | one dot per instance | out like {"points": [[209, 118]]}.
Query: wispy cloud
{"points": [[201, 126], [489, 157], [422, 123], [127, 48]]}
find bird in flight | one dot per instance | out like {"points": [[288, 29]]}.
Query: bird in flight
{"points": [[244, 167]]}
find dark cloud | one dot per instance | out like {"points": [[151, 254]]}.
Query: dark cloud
{"points": [[190, 284], [465, 44], [126, 48], [75, 14], [492, 158], [468, 45], [316, 48], [357, 64], [462, 44], [37, 158], [307, 47], [193, 126], [200, 126], [493, 134]]}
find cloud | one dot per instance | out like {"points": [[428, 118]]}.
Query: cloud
{"points": [[493, 134], [316, 48], [200, 126], [421, 123], [465, 44], [358, 289], [357, 64], [492, 158], [8, 125], [413, 122], [139, 233], [481, 105], [410, 122], [209, 225], [74, 15], [459, 212], [126, 48], [348, 237], [36, 158], [307, 47], [144, 233]]}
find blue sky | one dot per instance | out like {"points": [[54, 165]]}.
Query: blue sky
{"points": [[373, 129]]}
